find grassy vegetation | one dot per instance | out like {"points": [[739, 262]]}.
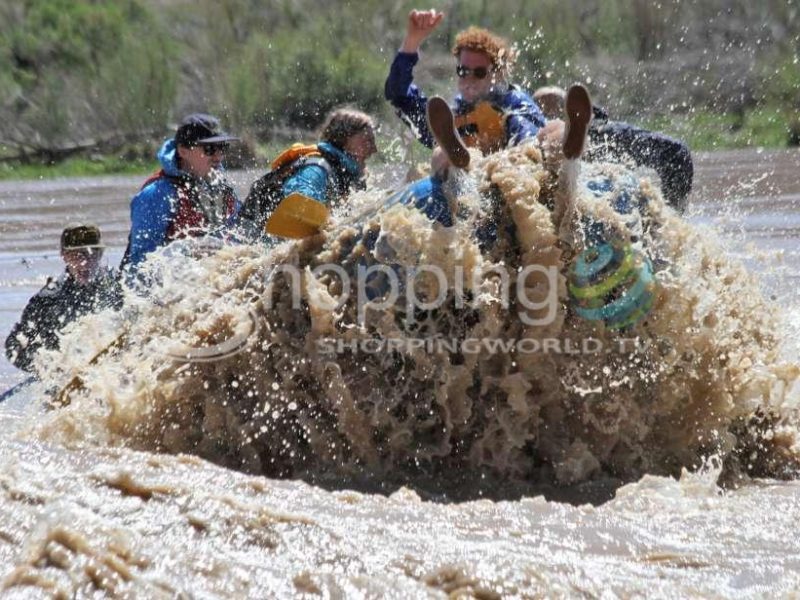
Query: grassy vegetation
{"points": [[106, 74], [759, 128], [76, 167]]}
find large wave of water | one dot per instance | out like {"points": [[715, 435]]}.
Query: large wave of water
{"points": [[706, 379]]}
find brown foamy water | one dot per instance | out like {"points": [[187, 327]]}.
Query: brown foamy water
{"points": [[90, 517]]}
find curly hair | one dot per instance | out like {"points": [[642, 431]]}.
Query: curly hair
{"points": [[498, 49], [343, 123]]}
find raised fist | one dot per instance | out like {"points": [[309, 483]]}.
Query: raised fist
{"points": [[421, 24]]}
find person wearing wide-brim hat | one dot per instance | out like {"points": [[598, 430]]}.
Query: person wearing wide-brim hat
{"points": [[189, 196], [85, 286]]}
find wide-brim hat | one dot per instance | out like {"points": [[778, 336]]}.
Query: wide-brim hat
{"points": [[76, 237], [200, 128]]}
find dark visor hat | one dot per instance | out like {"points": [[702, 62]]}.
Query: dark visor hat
{"points": [[199, 129], [77, 237]]}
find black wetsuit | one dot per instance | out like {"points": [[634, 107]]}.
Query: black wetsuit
{"points": [[670, 158], [58, 303]]}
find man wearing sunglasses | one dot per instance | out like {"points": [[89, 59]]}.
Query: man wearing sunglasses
{"points": [[86, 286], [490, 113], [189, 196]]}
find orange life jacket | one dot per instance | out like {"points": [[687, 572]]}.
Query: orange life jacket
{"points": [[294, 153], [483, 127]]}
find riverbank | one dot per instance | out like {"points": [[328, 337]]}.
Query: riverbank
{"points": [[77, 167], [766, 128], [772, 129]]}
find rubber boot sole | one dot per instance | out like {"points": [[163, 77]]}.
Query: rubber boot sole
{"points": [[579, 112], [443, 127]]}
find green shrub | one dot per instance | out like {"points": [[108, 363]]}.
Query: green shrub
{"points": [[80, 70], [305, 81]]}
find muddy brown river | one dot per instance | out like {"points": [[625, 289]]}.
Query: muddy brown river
{"points": [[82, 514]]}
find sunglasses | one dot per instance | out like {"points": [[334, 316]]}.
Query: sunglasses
{"points": [[477, 72], [212, 149], [84, 253]]}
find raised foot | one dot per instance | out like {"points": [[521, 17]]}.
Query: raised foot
{"points": [[579, 113], [443, 128]]}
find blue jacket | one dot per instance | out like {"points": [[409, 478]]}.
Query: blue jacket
{"points": [[427, 196], [524, 117], [327, 185], [161, 209]]}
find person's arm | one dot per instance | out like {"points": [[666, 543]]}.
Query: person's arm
{"points": [[399, 88], [309, 180], [524, 118], [670, 158], [151, 212], [21, 346], [427, 196], [36, 329], [407, 98]]}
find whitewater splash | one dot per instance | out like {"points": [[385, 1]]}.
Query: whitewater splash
{"points": [[703, 377]]}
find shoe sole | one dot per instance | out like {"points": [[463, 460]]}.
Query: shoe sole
{"points": [[443, 127], [579, 112]]}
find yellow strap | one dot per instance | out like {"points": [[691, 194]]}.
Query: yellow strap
{"points": [[297, 216], [483, 127]]}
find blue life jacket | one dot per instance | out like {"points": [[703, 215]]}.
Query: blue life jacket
{"points": [[427, 196]]}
